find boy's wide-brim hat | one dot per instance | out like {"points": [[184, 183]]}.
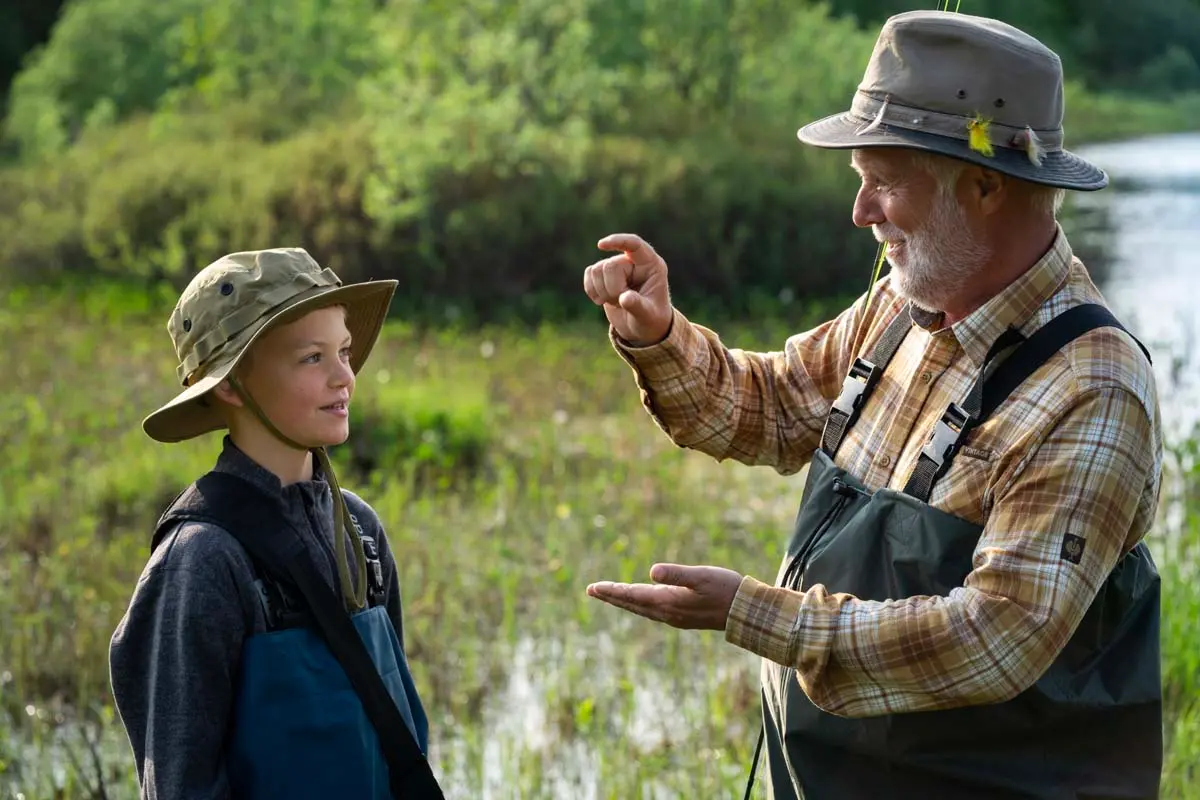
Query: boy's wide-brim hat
{"points": [[234, 301], [941, 81]]}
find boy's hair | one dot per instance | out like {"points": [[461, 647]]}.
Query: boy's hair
{"points": [[246, 362]]}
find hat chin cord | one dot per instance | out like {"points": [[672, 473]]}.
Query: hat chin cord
{"points": [[354, 596]]}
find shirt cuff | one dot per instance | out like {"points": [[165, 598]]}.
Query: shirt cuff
{"points": [[765, 620], [665, 361]]}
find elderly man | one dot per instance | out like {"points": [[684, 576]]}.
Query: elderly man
{"points": [[966, 607]]}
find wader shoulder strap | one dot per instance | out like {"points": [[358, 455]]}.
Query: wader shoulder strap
{"points": [[256, 521], [860, 382], [988, 393], [1047, 341]]}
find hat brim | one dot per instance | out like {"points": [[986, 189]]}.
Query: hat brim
{"points": [[190, 413], [1060, 168]]}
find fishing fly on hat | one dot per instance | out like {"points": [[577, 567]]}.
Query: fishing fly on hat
{"points": [[225, 309]]}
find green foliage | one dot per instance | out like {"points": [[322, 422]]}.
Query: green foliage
{"points": [[523, 87], [108, 59], [474, 150], [85, 77], [1106, 44], [432, 432], [137, 202]]}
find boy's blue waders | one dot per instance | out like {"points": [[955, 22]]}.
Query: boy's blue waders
{"points": [[325, 705], [300, 730]]}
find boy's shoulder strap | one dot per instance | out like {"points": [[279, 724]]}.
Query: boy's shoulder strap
{"points": [[206, 501], [376, 591], [258, 523], [210, 505]]}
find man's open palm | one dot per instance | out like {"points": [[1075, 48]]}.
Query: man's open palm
{"points": [[681, 596]]}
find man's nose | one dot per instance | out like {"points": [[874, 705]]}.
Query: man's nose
{"points": [[867, 211]]}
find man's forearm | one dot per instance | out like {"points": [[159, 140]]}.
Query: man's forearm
{"points": [[756, 408]]}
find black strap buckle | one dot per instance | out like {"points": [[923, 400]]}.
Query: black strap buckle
{"points": [[946, 436], [374, 568], [859, 381]]}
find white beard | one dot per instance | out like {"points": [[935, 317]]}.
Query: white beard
{"points": [[936, 262]]}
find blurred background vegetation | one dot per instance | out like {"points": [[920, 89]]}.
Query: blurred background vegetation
{"points": [[476, 150]]}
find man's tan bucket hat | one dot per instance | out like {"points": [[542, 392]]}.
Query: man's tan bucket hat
{"points": [[231, 303], [968, 87]]}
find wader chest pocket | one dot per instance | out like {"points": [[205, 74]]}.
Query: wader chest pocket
{"points": [[842, 500]]}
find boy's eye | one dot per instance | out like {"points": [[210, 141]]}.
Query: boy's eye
{"points": [[312, 358], [345, 352]]}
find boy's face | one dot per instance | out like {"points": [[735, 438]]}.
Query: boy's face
{"points": [[299, 374]]}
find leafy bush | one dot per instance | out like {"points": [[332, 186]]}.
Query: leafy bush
{"points": [[474, 150], [110, 59], [436, 435], [488, 240]]}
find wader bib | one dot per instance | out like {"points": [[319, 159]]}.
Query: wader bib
{"points": [[300, 728], [1091, 727]]}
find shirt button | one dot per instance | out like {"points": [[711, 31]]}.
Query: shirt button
{"points": [[885, 461], [926, 377]]}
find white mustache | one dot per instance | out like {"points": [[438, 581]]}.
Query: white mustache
{"points": [[884, 233]]}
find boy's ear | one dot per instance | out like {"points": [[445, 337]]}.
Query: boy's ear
{"points": [[226, 394]]}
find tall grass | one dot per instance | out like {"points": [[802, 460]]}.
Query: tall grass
{"points": [[511, 466]]}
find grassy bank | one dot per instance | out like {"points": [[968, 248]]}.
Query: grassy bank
{"points": [[511, 467]]}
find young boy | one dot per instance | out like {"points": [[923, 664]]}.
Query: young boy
{"points": [[224, 684]]}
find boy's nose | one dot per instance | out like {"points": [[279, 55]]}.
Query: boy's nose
{"points": [[343, 375]]}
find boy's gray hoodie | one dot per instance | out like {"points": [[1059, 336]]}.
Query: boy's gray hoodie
{"points": [[174, 658]]}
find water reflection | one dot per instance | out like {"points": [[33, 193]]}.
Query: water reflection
{"points": [[1137, 240]]}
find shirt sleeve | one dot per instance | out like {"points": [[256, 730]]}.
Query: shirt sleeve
{"points": [[992, 638], [757, 408], [173, 658]]}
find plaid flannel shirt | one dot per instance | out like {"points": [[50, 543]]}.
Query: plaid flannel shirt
{"points": [[1075, 450]]}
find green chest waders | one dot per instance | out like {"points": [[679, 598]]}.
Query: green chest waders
{"points": [[1090, 727]]}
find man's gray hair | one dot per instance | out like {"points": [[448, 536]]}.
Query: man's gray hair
{"points": [[945, 170]]}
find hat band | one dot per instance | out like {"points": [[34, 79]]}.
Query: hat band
{"points": [[874, 112], [242, 318]]}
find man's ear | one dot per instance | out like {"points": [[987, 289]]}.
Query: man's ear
{"points": [[990, 189]]}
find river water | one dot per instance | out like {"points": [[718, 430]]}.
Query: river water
{"points": [[1138, 239]]}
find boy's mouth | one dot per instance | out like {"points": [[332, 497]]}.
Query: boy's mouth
{"points": [[338, 408]]}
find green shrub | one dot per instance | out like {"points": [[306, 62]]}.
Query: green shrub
{"points": [[109, 59], [489, 241], [435, 435], [486, 149]]}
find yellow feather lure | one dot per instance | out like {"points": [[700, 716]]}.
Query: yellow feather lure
{"points": [[977, 136]]}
